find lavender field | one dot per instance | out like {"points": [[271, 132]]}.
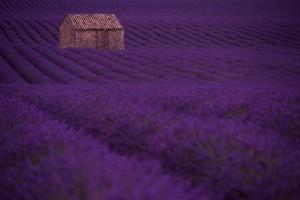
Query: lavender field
{"points": [[204, 103]]}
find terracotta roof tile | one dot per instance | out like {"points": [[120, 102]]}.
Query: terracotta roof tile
{"points": [[95, 21]]}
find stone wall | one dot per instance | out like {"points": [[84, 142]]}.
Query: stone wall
{"points": [[116, 40], [96, 39], [86, 38], [67, 34]]}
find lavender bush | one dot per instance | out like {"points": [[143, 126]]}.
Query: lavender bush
{"points": [[230, 145], [45, 159]]}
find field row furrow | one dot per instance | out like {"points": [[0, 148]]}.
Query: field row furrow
{"points": [[159, 35], [23, 66], [8, 74], [74, 68], [102, 72]]}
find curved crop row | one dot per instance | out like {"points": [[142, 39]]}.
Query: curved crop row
{"points": [[24, 36], [23, 66], [45, 29], [50, 159], [48, 68], [40, 32], [8, 32], [202, 133], [50, 28], [90, 65], [30, 31], [160, 34], [120, 70], [72, 67], [7, 73], [135, 68]]}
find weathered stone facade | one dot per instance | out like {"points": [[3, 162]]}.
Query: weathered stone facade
{"points": [[99, 31], [67, 34]]}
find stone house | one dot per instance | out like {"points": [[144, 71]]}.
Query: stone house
{"points": [[97, 31]]}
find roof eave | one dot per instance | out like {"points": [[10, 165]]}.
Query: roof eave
{"points": [[98, 29]]}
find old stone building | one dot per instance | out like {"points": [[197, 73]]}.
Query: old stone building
{"points": [[98, 31]]}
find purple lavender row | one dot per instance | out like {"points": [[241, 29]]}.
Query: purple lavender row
{"points": [[42, 158], [240, 141]]}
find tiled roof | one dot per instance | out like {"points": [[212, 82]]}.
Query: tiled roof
{"points": [[95, 21]]}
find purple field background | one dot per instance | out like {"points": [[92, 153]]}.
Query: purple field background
{"points": [[204, 103]]}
